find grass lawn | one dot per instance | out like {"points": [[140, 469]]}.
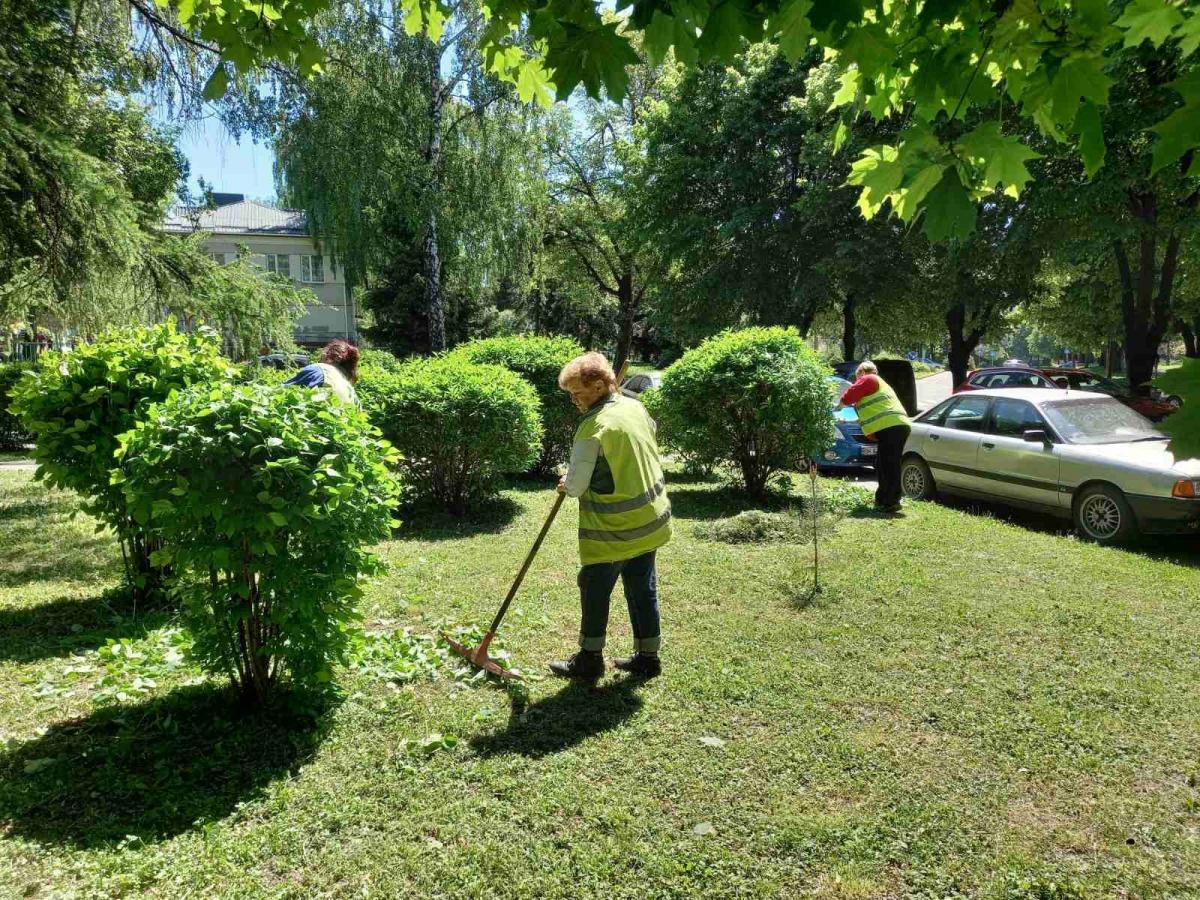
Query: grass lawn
{"points": [[970, 708]]}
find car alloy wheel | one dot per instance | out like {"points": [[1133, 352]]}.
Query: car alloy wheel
{"points": [[1100, 516], [913, 481]]}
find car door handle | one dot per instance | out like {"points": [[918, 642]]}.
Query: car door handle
{"points": [[935, 437], [988, 445]]}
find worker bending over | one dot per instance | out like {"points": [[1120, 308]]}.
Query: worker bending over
{"points": [[882, 417], [624, 517]]}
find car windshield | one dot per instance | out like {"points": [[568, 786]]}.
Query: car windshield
{"points": [[1099, 421]]}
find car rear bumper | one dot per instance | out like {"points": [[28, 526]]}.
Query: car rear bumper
{"points": [[1164, 515], [848, 455]]}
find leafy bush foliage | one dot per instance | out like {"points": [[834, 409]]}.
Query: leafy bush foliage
{"points": [[377, 362], [538, 360], [77, 404], [755, 399], [12, 434], [264, 500], [458, 426]]}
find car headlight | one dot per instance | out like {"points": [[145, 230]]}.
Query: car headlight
{"points": [[841, 435], [1188, 488]]}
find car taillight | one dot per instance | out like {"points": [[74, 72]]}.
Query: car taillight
{"points": [[1188, 488]]}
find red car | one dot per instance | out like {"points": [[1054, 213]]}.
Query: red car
{"points": [[1153, 408], [1004, 377]]}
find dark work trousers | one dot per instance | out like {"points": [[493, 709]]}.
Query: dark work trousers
{"points": [[887, 465], [640, 581]]}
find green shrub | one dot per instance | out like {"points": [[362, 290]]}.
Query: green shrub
{"points": [[12, 434], [263, 501], [755, 399], [458, 426], [538, 360], [77, 404], [376, 362]]}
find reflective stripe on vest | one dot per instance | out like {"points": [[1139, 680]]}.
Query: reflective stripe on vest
{"points": [[633, 514], [880, 410]]}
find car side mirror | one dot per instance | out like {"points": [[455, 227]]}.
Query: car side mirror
{"points": [[1036, 436]]}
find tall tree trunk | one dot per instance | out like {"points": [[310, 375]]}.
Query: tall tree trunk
{"points": [[962, 342], [1112, 358], [849, 328], [433, 262], [1146, 297], [627, 304], [1188, 331]]}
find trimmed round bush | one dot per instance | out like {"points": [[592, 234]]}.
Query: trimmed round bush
{"points": [[755, 399], [12, 433], [77, 404], [458, 427], [538, 360], [264, 501]]}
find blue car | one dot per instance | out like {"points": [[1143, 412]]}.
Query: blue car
{"points": [[852, 450]]}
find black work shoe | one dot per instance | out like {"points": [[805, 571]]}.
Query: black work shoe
{"points": [[586, 665], [644, 665]]}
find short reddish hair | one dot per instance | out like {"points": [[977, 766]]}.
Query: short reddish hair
{"points": [[344, 355]]}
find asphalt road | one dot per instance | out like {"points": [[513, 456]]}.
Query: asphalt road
{"points": [[934, 389]]}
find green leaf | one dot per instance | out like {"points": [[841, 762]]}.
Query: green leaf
{"points": [[596, 57], [1177, 134], [848, 89], [278, 518], [869, 48], [792, 27], [218, 82], [722, 36], [833, 16], [839, 136], [1003, 157], [879, 173], [1091, 138], [1149, 20], [1189, 35], [949, 210], [533, 83], [908, 202], [1081, 77]]}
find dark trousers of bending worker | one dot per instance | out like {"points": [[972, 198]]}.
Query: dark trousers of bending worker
{"points": [[640, 582], [887, 464]]}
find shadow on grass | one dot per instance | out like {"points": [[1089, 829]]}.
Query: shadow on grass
{"points": [[68, 624], [430, 523], [152, 770], [1180, 549], [39, 545], [563, 720]]}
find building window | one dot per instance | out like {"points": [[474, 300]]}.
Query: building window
{"points": [[280, 264], [216, 256], [312, 270]]}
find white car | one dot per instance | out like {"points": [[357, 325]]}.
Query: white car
{"points": [[1077, 455], [635, 385]]}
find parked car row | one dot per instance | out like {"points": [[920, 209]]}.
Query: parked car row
{"points": [[1155, 406], [1075, 454]]}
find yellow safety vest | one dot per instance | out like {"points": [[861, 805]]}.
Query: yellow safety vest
{"points": [[625, 511], [880, 410]]}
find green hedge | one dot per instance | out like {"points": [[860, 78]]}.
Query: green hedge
{"points": [[756, 399], [458, 426], [538, 360]]}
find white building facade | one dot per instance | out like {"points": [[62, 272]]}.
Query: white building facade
{"points": [[278, 241]]}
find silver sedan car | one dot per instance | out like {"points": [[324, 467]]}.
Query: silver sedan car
{"points": [[1082, 456]]}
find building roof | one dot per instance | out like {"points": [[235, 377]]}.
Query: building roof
{"points": [[238, 217]]}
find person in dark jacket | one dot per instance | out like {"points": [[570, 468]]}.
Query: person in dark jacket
{"points": [[337, 370]]}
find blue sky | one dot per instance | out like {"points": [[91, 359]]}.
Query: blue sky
{"points": [[228, 165]]}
